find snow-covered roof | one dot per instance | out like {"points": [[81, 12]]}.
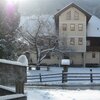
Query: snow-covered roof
{"points": [[93, 29]]}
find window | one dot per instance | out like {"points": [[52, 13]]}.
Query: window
{"points": [[72, 41], [65, 56], [93, 55], [88, 43], [64, 27], [72, 27], [68, 16], [48, 56], [76, 15], [80, 41], [80, 27]]}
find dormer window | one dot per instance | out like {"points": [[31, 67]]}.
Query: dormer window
{"points": [[76, 15], [68, 16]]}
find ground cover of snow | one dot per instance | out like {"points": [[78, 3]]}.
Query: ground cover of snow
{"points": [[59, 94], [54, 70]]}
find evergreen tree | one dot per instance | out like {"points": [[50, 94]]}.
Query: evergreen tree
{"points": [[9, 21]]}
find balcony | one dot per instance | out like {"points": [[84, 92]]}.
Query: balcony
{"points": [[93, 48]]}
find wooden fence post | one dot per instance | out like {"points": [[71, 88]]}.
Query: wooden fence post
{"points": [[40, 77], [91, 76], [64, 76], [19, 87]]}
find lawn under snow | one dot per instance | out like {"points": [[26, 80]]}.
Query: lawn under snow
{"points": [[58, 94], [54, 70], [63, 94]]}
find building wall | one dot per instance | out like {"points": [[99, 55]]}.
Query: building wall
{"points": [[53, 60], [68, 34], [10, 74], [77, 51], [93, 57], [76, 58]]}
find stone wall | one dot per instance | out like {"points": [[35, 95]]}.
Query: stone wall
{"points": [[10, 73]]}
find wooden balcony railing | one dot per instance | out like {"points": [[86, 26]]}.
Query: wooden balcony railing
{"points": [[93, 48]]}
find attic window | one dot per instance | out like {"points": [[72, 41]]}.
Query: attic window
{"points": [[68, 16], [76, 15]]}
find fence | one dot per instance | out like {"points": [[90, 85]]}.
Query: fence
{"points": [[65, 77]]}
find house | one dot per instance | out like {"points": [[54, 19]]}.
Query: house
{"points": [[80, 32]]}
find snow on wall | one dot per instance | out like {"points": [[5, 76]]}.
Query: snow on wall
{"points": [[93, 29], [22, 61]]}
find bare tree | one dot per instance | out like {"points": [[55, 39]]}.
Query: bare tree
{"points": [[42, 38]]}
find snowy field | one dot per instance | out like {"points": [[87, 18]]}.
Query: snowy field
{"points": [[54, 70], [36, 93], [58, 94]]}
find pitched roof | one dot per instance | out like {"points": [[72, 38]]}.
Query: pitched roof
{"points": [[93, 29], [72, 5]]}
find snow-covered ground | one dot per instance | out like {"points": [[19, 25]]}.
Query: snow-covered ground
{"points": [[54, 70], [35, 93], [58, 94]]}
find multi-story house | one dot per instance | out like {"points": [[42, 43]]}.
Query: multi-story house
{"points": [[80, 32]]}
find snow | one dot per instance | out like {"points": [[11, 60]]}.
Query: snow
{"points": [[55, 93], [22, 59], [93, 29], [65, 62], [6, 88], [55, 70], [60, 94], [11, 62], [11, 97]]}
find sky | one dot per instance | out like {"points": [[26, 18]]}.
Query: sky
{"points": [[29, 7]]}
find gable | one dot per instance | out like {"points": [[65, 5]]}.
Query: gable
{"points": [[72, 14], [56, 16]]}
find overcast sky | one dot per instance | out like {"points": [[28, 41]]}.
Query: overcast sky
{"points": [[29, 7]]}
